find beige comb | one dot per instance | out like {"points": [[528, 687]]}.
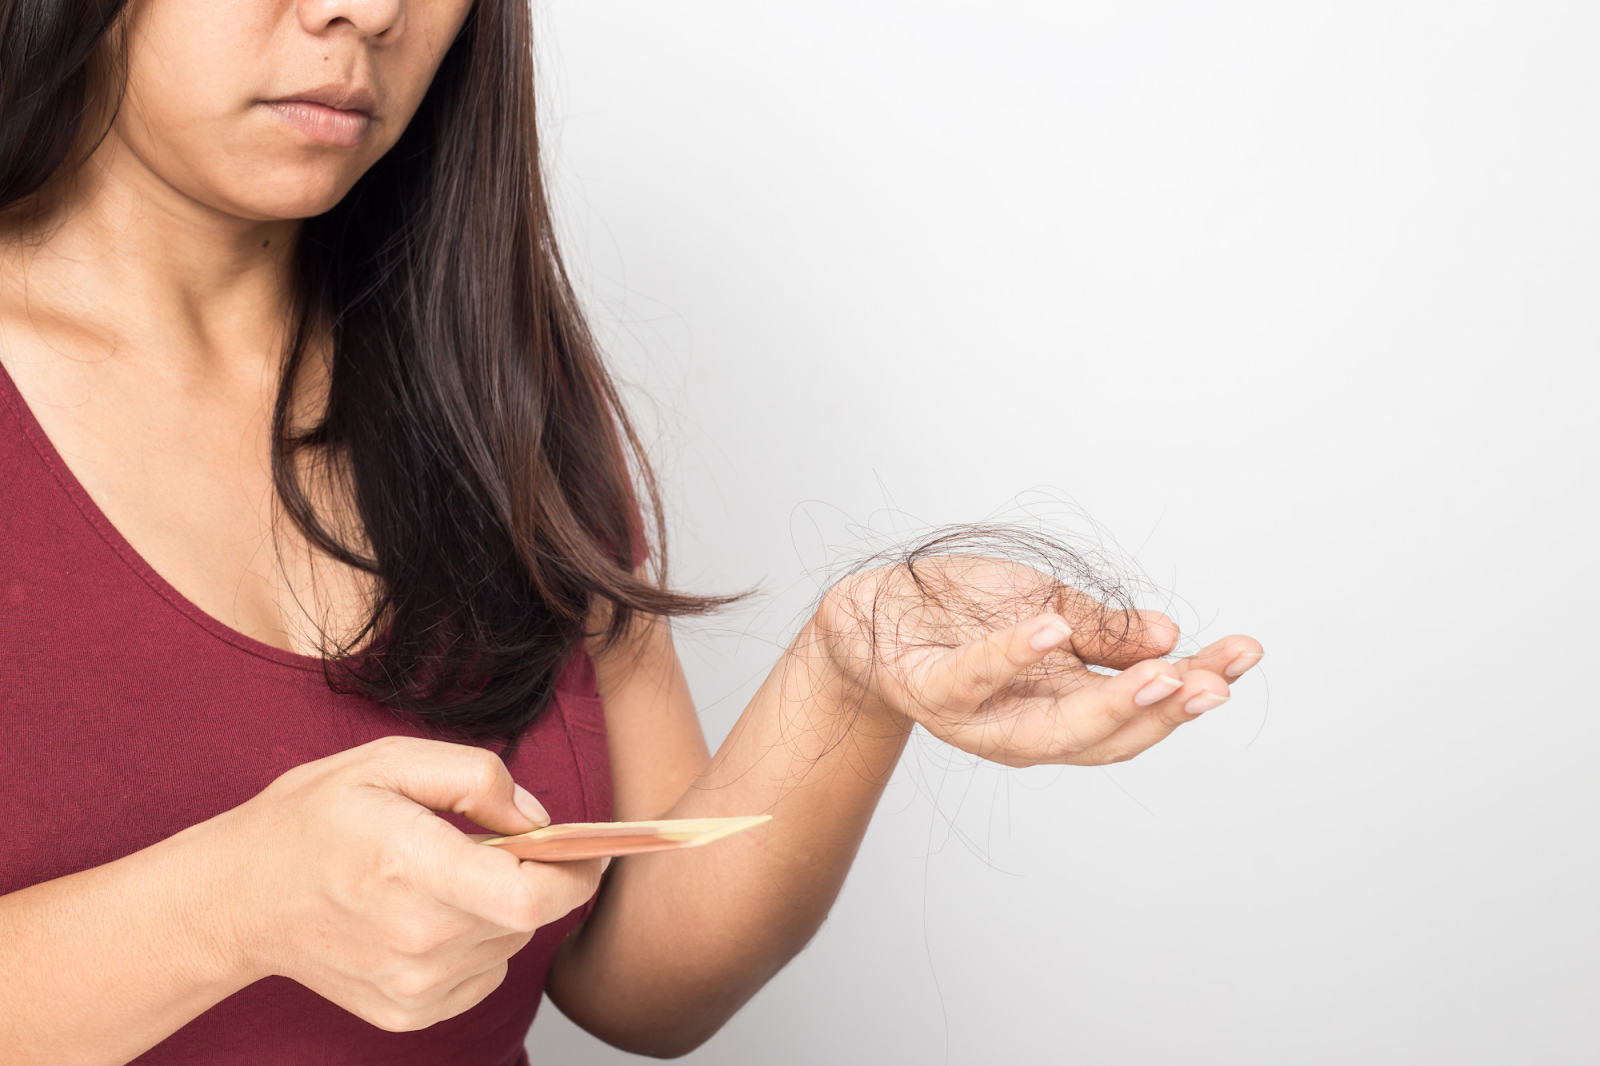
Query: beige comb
{"points": [[593, 840]]}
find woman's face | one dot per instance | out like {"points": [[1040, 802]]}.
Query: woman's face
{"points": [[271, 109]]}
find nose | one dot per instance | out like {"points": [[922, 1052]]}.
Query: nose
{"points": [[369, 18]]}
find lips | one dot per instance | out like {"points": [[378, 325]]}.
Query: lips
{"points": [[338, 116]]}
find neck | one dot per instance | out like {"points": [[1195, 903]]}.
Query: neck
{"points": [[158, 273]]}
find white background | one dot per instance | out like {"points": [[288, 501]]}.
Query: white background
{"points": [[1301, 303]]}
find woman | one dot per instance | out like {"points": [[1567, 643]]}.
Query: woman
{"points": [[318, 520]]}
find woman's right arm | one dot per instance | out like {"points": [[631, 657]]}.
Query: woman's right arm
{"points": [[337, 875], [102, 965]]}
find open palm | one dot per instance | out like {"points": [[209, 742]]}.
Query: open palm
{"points": [[1004, 661]]}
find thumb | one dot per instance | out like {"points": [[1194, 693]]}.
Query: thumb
{"points": [[462, 779], [963, 677]]}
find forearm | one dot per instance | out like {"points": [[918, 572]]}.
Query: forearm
{"points": [[679, 941], [99, 966]]}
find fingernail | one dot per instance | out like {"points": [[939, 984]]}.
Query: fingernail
{"points": [[1241, 663], [1052, 634], [1157, 690], [531, 807], [605, 864], [1203, 703]]}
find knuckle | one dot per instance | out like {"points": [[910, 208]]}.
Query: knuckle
{"points": [[1121, 712], [1066, 751], [415, 942], [1018, 656], [1101, 756], [583, 889], [495, 978], [526, 907], [411, 1021], [1174, 715], [1068, 747], [295, 776], [391, 747], [485, 769], [485, 983], [552, 900], [391, 755], [389, 1019], [393, 1017], [981, 672], [412, 987]]}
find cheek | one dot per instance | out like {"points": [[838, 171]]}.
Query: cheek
{"points": [[407, 70], [191, 117]]}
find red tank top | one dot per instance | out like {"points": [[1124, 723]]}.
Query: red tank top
{"points": [[123, 706]]}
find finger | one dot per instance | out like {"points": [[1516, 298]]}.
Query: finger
{"points": [[1063, 726], [459, 999], [559, 888], [952, 683], [1200, 692], [1095, 712], [459, 778], [510, 894], [1229, 657], [473, 990], [489, 953], [1115, 639]]}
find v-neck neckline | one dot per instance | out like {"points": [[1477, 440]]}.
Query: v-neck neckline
{"points": [[91, 511]]}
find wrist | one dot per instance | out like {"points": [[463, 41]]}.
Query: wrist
{"points": [[835, 682], [841, 638], [208, 904]]}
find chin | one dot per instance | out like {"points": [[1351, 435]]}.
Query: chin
{"points": [[299, 192]]}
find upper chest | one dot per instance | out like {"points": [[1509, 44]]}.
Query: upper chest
{"points": [[178, 459]]}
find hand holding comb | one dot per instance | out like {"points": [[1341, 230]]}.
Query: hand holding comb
{"points": [[570, 841]]}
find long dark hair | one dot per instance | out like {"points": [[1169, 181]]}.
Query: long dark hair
{"points": [[470, 420]]}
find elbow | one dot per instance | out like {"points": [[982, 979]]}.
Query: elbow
{"points": [[669, 1051], [672, 1014], [662, 1041]]}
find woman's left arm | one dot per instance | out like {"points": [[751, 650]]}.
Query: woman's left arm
{"points": [[680, 940]]}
